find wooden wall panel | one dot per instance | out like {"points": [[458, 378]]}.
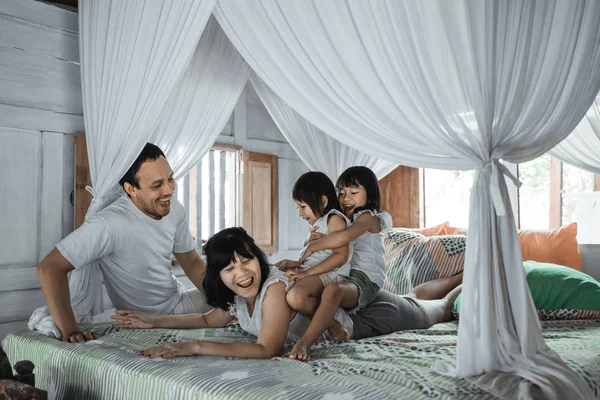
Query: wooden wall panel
{"points": [[82, 198], [400, 196], [10, 327], [260, 200], [20, 162], [39, 39], [18, 304], [36, 81], [51, 192]]}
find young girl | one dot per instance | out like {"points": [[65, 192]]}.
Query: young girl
{"points": [[360, 199], [315, 197], [239, 284]]}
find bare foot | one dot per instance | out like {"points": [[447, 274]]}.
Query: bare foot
{"points": [[300, 351], [337, 331]]}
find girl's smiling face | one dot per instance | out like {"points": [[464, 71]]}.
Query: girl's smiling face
{"points": [[305, 212], [242, 276], [351, 198]]}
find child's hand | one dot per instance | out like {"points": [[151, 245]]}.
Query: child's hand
{"points": [[307, 253], [314, 235], [287, 264], [133, 319], [296, 275]]}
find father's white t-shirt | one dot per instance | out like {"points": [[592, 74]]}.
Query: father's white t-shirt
{"points": [[134, 251]]}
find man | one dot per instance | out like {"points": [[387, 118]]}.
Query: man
{"points": [[133, 240]]}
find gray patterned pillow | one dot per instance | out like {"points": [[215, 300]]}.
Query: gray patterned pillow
{"points": [[412, 259]]}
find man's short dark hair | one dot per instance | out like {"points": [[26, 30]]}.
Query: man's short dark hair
{"points": [[150, 153]]}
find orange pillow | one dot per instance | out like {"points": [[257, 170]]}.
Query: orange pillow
{"points": [[436, 230], [556, 246]]}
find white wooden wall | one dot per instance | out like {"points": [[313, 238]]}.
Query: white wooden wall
{"points": [[40, 110]]}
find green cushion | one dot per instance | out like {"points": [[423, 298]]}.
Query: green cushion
{"points": [[559, 292]]}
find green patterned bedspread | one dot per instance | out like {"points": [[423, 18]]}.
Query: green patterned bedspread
{"points": [[395, 366]]}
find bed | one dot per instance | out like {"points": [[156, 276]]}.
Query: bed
{"points": [[391, 366]]}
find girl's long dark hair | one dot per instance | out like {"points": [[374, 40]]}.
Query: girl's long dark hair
{"points": [[310, 187], [220, 251], [354, 176]]}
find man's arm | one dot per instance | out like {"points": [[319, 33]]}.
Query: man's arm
{"points": [[52, 272], [193, 266]]}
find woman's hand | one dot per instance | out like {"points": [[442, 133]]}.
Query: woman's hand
{"points": [[297, 274], [133, 319], [287, 264], [171, 350]]}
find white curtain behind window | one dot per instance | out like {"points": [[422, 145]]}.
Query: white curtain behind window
{"points": [[582, 147], [201, 105], [451, 85], [133, 54], [319, 151]]}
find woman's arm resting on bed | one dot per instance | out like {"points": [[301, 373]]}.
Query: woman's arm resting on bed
{"points": [[215, 318], [275, 324], [52, 272]]}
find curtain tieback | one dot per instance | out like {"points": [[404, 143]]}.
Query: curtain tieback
{"points": [[499, 169]]}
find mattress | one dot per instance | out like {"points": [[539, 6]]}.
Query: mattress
{"points": [[394, 366]]}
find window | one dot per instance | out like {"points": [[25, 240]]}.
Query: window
{"points": [[209, 193], [575, 182], [553, 194], [534, 194], [446, 197]]}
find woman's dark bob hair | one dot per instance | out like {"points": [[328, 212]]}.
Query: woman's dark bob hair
{"points": [[354, 176], [220, 251], [310, 187]]}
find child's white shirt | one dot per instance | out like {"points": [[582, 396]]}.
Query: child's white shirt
{"points": [[369, 252]]}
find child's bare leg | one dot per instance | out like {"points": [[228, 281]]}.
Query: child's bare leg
{"points": [[343, 294], [437, 288], [304, 296]]}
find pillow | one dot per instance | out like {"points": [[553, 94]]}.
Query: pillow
{"points": [[557, 246], [412, 258], [435, 230], [559, 292]]}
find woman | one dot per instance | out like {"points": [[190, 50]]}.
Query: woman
{"points": [[240, 284]]}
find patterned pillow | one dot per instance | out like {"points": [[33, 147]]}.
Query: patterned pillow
{"points": [[412, 259]]}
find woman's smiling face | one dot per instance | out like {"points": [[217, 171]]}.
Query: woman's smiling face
{"points": [[242, 276]]}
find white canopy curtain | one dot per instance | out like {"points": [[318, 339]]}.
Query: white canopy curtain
{"points": [[201, 105], [452, 85], [319, 151], [133, 55], [582, 147]]}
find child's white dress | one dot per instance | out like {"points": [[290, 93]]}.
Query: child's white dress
{"points": [[338, 274]]}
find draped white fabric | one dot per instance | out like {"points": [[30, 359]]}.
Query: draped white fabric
{"points": [[133, 54], [319, 151], [201, 105], [452, 85], [582, 147]]}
